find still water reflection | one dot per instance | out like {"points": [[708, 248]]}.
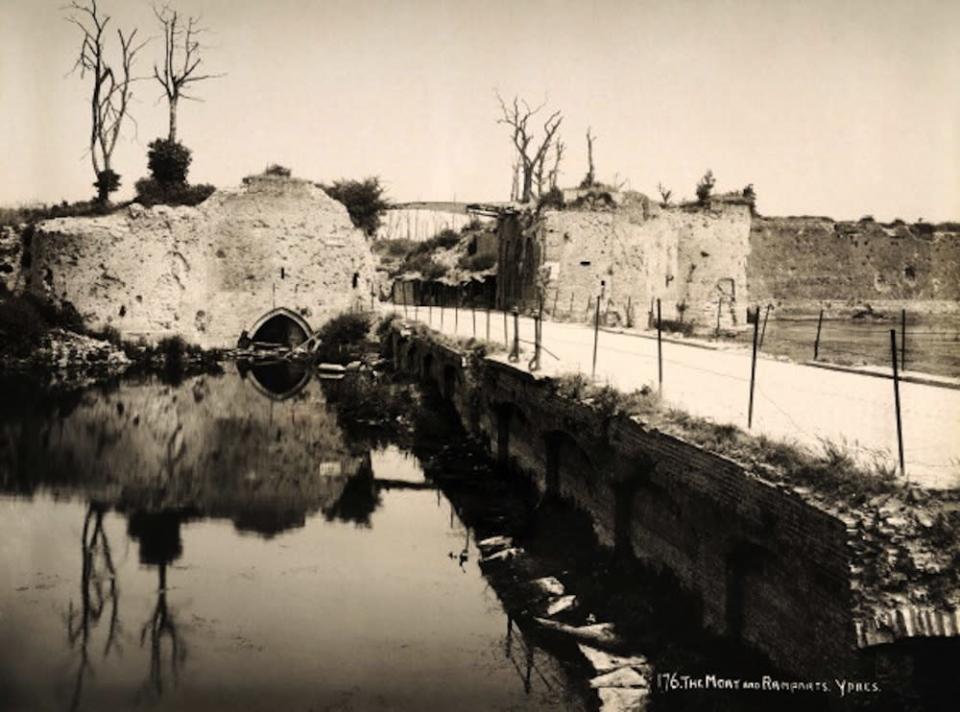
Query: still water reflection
{"points": [[223, 544]]}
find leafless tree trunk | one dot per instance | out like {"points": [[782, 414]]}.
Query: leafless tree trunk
{"points": [[517, 116], [515, 184], [181, 58], [558, 148], [591, 177], [111, 90], [664, 195]]}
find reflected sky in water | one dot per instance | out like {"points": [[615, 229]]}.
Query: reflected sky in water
{"points": [[210, 546]]}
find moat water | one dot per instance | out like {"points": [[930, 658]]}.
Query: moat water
{"points": [[263, 539], [236, 542]]}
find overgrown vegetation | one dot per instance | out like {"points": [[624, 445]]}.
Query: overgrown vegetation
{"points": [[26, 319], [553, 198], [477, 263], [424, 264], [276, 170], [833, 472], [364, 200], [347, 329], [31, 214], [420, 257], [394, 248], [169, 164], [150, 193], [386, 324], [705, 187], [677, 326], [168, 161]]}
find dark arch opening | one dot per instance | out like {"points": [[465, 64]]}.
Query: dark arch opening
{"points": [[281, 327]]}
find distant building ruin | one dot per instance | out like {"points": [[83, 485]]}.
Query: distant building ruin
{"points": [[627, 251]]}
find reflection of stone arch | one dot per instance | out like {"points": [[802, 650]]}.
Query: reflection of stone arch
{"points": [[294, 326], [278, 380]]}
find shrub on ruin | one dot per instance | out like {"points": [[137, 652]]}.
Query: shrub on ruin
{"points": [[25, 319], [168, 161], [394, 248], [347, 329], [553, 199], [107, 182], [278, 171], [152, 192], [676, 326], [423, 263], [386, 323], [477, 263], [705, 187], [363, 199]]}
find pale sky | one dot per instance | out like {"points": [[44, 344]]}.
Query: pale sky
{"points": [[837, 107]]}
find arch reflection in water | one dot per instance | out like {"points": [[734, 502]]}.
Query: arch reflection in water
{"points": [[276, 380]]}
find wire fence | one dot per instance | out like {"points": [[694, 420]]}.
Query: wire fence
{"points": [[718, 384]]}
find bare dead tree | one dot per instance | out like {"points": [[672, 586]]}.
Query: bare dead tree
{"points": [[110, 90], [515, 182], [518, 117], [558, 149], [590, 179], [181, 59], [664, 195]]}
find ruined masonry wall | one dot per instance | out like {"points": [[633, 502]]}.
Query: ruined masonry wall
{"points": [[210, 272], [640, 251], [817, 259], [11, 258]]}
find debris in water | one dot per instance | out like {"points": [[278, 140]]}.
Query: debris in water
{"points": [[624, 677], [599, 634], [549, 586], [603, 661], [618, 699], [494, 543], [561, 604], [502, 555]]}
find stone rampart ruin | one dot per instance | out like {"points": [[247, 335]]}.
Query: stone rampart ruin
{"points": [[275, 245]]}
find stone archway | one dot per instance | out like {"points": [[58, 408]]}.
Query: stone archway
{"points": [[280, 326]]}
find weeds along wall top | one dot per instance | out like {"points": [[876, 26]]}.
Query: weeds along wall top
{"points": [[207, 273]]}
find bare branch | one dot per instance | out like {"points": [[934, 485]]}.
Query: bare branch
{"points": [[110, 87], [181, 59]]}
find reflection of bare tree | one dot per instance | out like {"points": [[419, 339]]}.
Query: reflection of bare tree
{"points": [[160, 625], [98, 590]]}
